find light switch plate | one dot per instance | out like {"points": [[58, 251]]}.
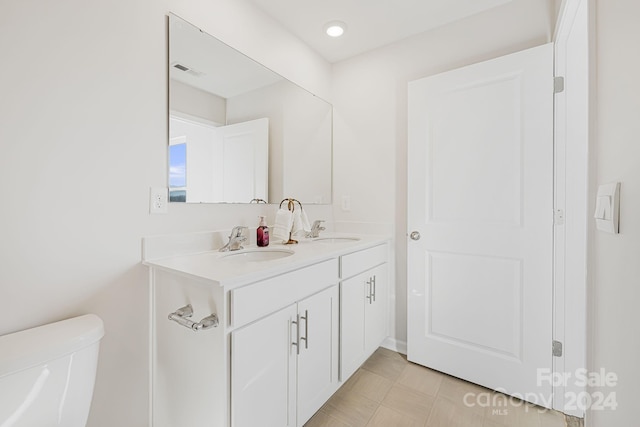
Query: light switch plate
{"points": [[607, 212]]}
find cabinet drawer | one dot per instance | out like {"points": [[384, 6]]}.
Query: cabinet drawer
{"points": [[357, 262], [261, 298]]}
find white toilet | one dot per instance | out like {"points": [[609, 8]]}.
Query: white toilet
{"points": [[47, 373]]}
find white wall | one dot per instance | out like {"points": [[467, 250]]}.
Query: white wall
{"points": [[83, 132], [299, 139], [370, 116], [615, 287], [196, 102]]}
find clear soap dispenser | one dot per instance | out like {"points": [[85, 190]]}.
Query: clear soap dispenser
{"points": [[262, 233]]}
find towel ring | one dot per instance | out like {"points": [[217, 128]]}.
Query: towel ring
{"points": [[291, 206]]}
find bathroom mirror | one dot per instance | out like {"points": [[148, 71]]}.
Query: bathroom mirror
{"points": [[239, 132]]}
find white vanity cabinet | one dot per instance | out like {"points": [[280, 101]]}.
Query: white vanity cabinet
{"points": [[363, 306], [285, 329], [284, 366]]}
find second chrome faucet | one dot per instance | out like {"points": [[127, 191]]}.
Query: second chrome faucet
{"points": [[235, 239], [316, 228]]}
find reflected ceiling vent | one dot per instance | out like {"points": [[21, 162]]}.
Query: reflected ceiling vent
{"points": [[186, 69]]}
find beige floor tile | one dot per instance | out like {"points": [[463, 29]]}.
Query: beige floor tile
{"points": [[409, 403], [446, 413], [551, 418], [574, 421], [385, 417], [528, 415], [386, 363], [421, 379], [321, 419], [523, 416], [502, 409], [350, 408], [489, 423], [390, 353], [369, 385], [463, 392], [346, 387], [424, 398], [509, 411]]}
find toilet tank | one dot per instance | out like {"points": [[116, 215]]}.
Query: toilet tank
{"points": [[47, 373]]}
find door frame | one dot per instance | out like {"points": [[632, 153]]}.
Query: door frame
{"points": [[570, 298], [571, 195]]}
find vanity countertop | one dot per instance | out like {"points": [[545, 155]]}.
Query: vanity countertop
{"points": [[220, 269]]}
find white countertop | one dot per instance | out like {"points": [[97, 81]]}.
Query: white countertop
{"points": [[229, 272]]}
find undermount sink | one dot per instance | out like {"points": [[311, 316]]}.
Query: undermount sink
{"points": [[255, 255], [336, 239]]}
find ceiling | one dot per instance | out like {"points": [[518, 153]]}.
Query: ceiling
{"points": [[195, 59], [370, 23]]}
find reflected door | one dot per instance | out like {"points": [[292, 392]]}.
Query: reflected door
{"points": [[481, 198], [218, 164], [245, 154]]}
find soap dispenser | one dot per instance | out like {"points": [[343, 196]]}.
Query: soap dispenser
{"points": [[262, 233]]}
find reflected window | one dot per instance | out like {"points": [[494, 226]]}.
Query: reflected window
{"points": [[178, 172]]}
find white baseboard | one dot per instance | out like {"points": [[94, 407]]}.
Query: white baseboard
{"points": [[395, 345]]}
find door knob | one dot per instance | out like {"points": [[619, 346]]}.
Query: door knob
{"points": [[414, 235]]}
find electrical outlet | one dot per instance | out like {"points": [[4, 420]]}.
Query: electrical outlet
{"points": [[158, 200]]}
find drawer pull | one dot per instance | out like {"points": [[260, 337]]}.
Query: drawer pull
{"points": [[181, 317]]}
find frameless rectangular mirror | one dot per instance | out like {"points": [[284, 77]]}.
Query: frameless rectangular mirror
{"points": [[239, 132]]}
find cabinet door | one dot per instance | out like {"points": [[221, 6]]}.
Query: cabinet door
{"points": [[263, 369], [318, 358], [376, 324], [352, 306]]}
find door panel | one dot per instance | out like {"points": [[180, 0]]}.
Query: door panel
{"points": [[376, 327], [491, 154], [263, 372], [458, 311], [318, 358], [481, 196], [352, 324]]}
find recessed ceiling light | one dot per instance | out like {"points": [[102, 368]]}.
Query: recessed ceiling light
{"points": [[335, 28]]}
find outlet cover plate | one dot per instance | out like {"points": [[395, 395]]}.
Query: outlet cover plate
{"points": [[158, 200]]}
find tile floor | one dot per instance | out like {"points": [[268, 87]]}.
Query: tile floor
{"points": [[389, 391]]}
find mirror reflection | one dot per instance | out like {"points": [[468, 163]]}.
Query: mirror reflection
{"points": [[238, 131]]}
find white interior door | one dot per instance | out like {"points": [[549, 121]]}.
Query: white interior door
{"points": [[481, 197]]}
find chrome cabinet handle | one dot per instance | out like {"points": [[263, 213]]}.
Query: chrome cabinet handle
{"points": [[371, 297], [297, 343], [306, 329], [373, 281], [415, 235], [181, 317]]}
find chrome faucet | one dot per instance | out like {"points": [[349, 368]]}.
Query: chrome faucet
{"points": [[316, 228], [235, 238]]}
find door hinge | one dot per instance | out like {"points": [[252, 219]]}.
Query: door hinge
{"points": [[558, 84], [556, 348], [558, 217]]}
